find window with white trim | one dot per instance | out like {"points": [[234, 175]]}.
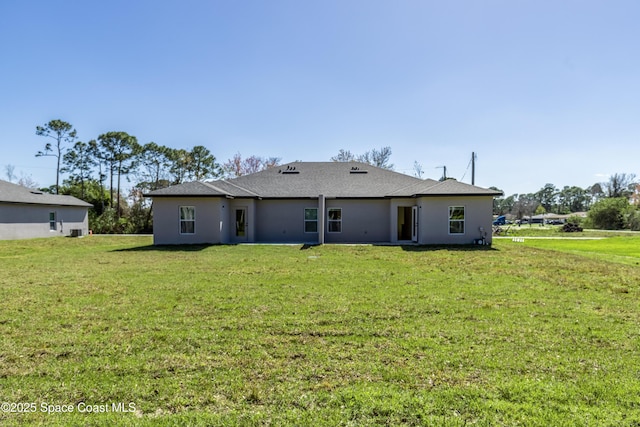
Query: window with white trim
{"points": [[52, 221], [311, 220], [334, 220], [187, 220], [456, 219]]}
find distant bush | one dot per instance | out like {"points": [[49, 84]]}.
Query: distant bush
{"points": [[633, 220], [109, 223], [575, 219], [609, 214], [570, 227]]}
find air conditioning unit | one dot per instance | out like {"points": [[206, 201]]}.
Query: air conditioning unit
{"points": [[76, 232]]}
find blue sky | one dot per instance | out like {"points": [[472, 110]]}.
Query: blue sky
{"points": [[542, 91]]}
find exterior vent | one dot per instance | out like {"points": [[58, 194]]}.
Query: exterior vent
{"points": [[289, 170], [76, 232], [356, 169]]}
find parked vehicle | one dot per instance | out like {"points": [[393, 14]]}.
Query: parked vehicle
{"points": [[501, 220], [555, 222]]}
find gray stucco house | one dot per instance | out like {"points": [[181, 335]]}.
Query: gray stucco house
{"points": [[323, 202], [27, 213]]}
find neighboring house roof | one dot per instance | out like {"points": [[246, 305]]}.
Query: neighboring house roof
{"points": [[558, 216], [331, 179], [13, 193]]}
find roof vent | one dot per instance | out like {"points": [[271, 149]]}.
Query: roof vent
{"points": [[35, 192], [355, 169], [289, 170]]}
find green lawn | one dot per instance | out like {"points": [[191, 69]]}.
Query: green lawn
{"points": [[536, 230], [620, 249], [529, 334]]}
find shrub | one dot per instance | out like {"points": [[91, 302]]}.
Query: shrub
{"points": [[571, 227], [575, 219], [109, 223], [633, 220], [609, 214]]}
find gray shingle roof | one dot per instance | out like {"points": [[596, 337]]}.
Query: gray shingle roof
{"points": [[190, 189], [449, 187], [331, 179], [13, 193]]}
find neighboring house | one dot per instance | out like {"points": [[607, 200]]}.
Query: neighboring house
{"points": [[27, 213], [323, 202]]}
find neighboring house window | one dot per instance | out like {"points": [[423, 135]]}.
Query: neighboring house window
{"points": [[52, 221], [311, 220], [456, 219], [334, 220], [187, 220]]}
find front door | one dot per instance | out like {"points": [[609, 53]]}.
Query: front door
{"points": [[241, 224]]}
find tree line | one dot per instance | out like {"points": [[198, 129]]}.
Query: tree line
{"points": [[613, 205], [95, 171]]}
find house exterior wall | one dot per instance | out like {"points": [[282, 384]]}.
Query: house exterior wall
{"points": [[166, 220], [434, 219], [363, 221], [25, 221], [282, 221]]}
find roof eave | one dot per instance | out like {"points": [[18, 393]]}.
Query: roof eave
{"points": [[18, 202], [458, 195], [193, 195]]}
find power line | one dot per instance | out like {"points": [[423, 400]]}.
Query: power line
{"points": [[465, 172]]}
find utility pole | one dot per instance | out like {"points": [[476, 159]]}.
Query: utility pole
{"points": [[444, 174], [473, 168]]}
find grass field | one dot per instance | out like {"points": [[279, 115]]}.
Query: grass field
{"points": [[620, 249], [535, 230], [531, 334]]}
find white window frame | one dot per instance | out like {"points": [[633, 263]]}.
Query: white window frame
{"points": [[187, 220], [462, 221], [334, 221], [310, 220], [53, 223]]}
